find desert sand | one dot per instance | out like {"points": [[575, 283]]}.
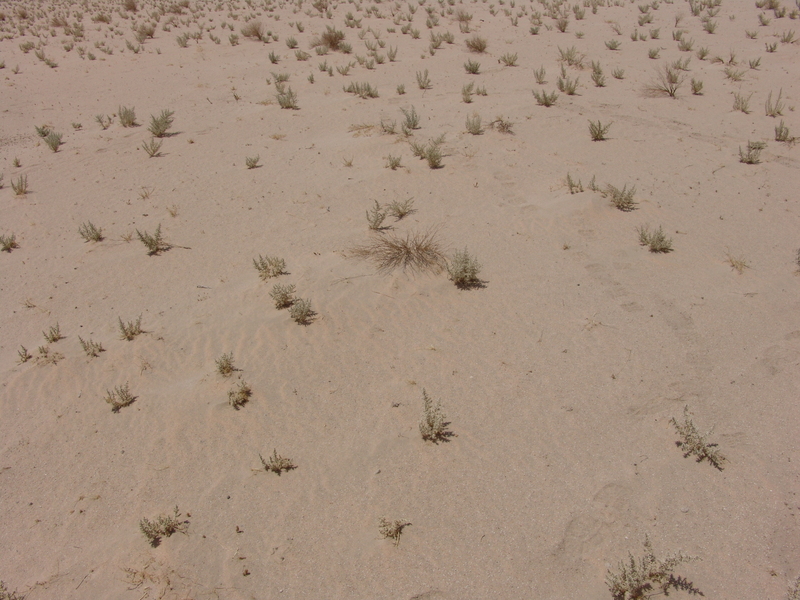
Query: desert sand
{"points": [[560, 367]]}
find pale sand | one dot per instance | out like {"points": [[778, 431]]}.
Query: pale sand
{"points": [[559, 377]]}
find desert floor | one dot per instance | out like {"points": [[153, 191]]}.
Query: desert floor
{"points": [[560, 369]]}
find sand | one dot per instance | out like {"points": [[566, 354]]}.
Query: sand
{"points": [[559, 373]]}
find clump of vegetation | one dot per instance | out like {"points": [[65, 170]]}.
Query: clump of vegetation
{"points": [[392, 529], [751, 156], [162, 526], [225, 365], [282, 295], [53, 334], [433, 426], [473, 124], [277, 463], [656, 240], [53, 141], [131, 329], [269, 266], [6, 594], [154, 242], [598, 131], [252, 161], [693, 443], [375, 217], [152, 148], [545, 99], [635, 578], [622, 199], [463, 270], [119, 397], [90, 233], [301, 311], [159, 125], [91, 348], [127, 117], [668, 81], [401, 209], [477, 44], [239, 395], [20, 186], [416, 251], [8, 242]]}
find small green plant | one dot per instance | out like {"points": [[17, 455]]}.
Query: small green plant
{"points": [[8, 243], [573, 186], [697, 87], [693, 443], [393, 162], [653, 53], [20, 186], [667, 81], [737, 263], [53, 140], [741, 103], [225, 365], [618, 73], [473, 124], [545, 99], [634, 579], [42, 131], [613, 44], [433, 426], [401, 89], [104, 121], [152, 148], [399, 210], [782, 133], [509, 60], [282, 295], [162, 526], [774, 109], [423, 80], [598, 78], [375, 217], [655, 240], [159, 125], [622, 199], [751, 156], [392, 529], [252, 161], [685, 45], [362, 90], [131, 329], [239, 395], [411, 120], [539, 75], [476, 44], [463, 269], [771, 47], [119, 397], [90, 233], [127, 116], [23, 355], [91, 348], [53, 334], [301, 312], [154, 242], [277, 463], [598, 131], [269, 266]]}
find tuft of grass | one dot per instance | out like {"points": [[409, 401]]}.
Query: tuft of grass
{"points": [[751, 156], [375, 217], [152, 148], [23, 355], [277, 463], [91, 348], [127, 116], [239, 395], [653, 53], [301, 312], [20, 186], [466, 92], [417, 251], [509, 60], [656, 240], [362, 90], [473, 124], [423, 80], [392, 529], [613, 44], [399, 210], [393, 162], [269, 266], [693, 443], [774, 109], [573, 186], [476, 44], [411, 120], [42, 131], [8, 243], [159, 125], [697, 87], [53, 334], [741, 103], [131, 329], [598, 131], [618, 73], [254, 29], [502, 125], [154, 242], [782, 133], [545, 99], [225, 365], [622, 199], [539, 75], [53, 140], [463, 269], [739, 264], [90, 233], [162, 526], [282, 295], [119, 397], [667, 81], [252, 161], [472, 67], [433, 426], [634, 579]]}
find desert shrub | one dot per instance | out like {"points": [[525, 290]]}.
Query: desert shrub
{"points": [[751, 156], [251, 161], [362, 90], [301, 312], [433, 426], [269, 266], [20, 186], [667, 81], [8, 243], [152, 148], [375, 217], [424, 80], [401, 209], [119, 397], [416, 251], [332, 38], [127, 116], [391, 529], [6, 594], [473, 124], [253, 29], [463, 270], [131, 329], [693, 443], [277, 463], [472, 67], [411, 120], [90, 233], [53, 334], [90, 347], [656, 240], [225, 365], [622, 199], [53, 140], [476, 44], [159, 125], [282, 295], [545, 99], [598, 131], [239, 395], [635, 578], [287, 99], [162, 526], [154, 242]]}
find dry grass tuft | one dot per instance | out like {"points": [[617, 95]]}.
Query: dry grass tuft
{"points": [[417, 251]]}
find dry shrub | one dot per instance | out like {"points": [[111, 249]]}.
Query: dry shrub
{"points": [[417, 251]]}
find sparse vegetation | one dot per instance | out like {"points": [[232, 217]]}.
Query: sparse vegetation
{"points": [[127, 117], [545, 99], [774, 109], [152, 148], [282, 295], [752, 155], [392, 529], [667, 81], [160, 125], [90, 233], [693, 443], [416, 251], [634, 579], [53, 334], [119, 397], [53, 140], [656, 240], [251, 161], [375, 217], [163, 526], [401, 209], [131, 329], [20, 186], [622, 199], [472, 67], [463, 269], [225, 365], [301, 312], [476, 44], [433, 426], [91, 348], [277, 463], [269, 266], [598, 131], [473, 124], [154, 242], [239, 395], [8, 243]]}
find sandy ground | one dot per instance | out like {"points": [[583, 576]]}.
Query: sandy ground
{"points": [[559, 374]]}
